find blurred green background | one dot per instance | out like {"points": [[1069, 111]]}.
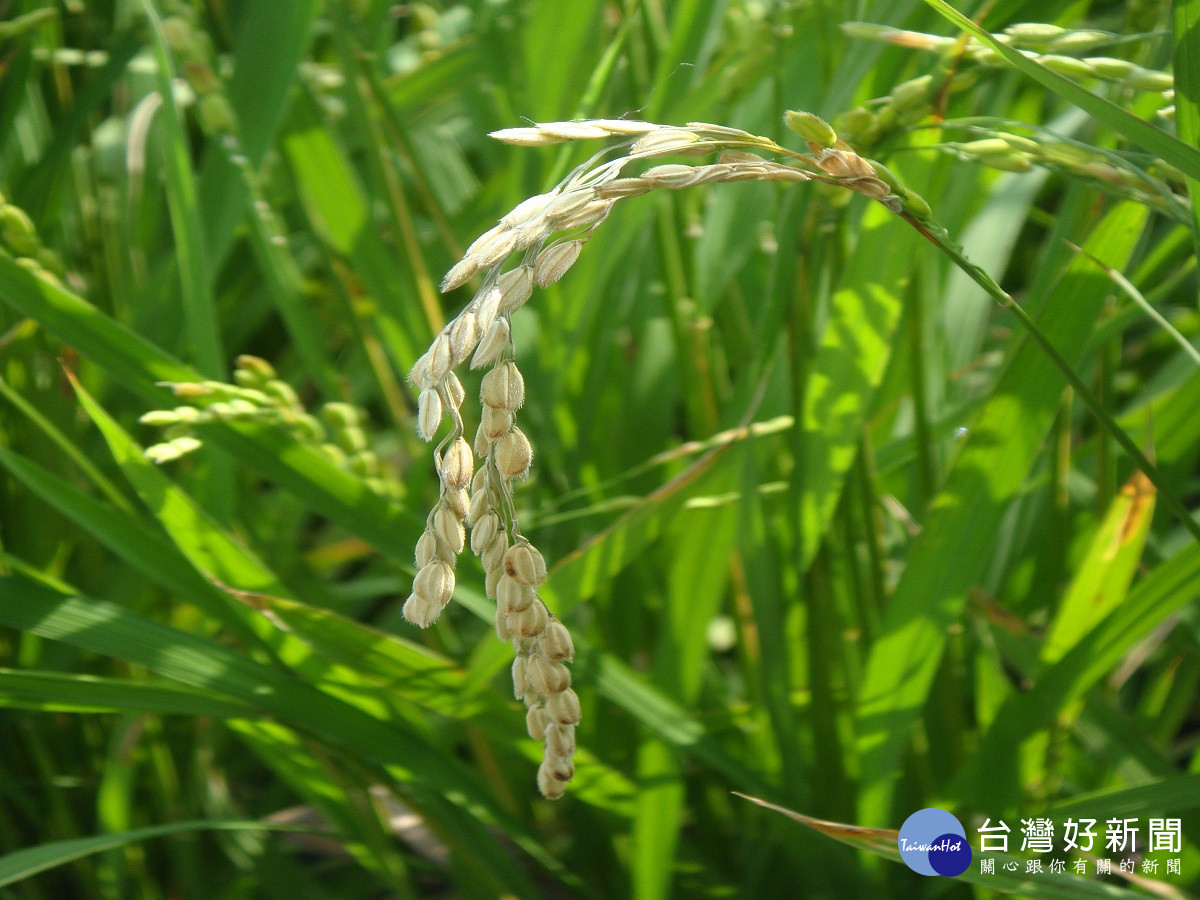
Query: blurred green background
{"points": [[827, 527]]}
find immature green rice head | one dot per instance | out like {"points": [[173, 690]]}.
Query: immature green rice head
{"points": [[17, 231], [811, 127], [258, 395]]}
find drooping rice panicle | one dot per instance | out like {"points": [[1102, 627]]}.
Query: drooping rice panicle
{"points": [[549, 232]]}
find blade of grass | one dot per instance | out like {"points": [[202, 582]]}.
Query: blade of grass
{"points": [[220, 558], [697, 583], [26, 22], [579, 574], [59, 692], [66, 445], [987, 778], [1159, 319], [199, 311], [39, 186], [1102, 580], [657, 818], [141, 547], [553, 80], [208, 547], [270, 43], [385, 182], [1186, 15], [122, 353], [1179, 793], [956, 543], [216, 557], [621, 687], [22, 864], [285, 284], [1063, 365], [138, 364], [851, 359], [337, 791], [103, 628], [340, 214], [884, 843], [759, 548], [391, 529], [409, 670]]}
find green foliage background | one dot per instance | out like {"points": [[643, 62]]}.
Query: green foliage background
{"points": [[827, 526]]}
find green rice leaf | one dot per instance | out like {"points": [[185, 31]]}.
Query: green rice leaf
{"points": [[199, 309], [1186, 15], [21, 864], [196, 661], [1103, 578], [59, 692], [957, 541], [123, 354]]}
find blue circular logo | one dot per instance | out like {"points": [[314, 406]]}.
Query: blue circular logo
{"points": [[933, 842]]}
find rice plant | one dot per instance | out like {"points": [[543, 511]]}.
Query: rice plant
{"points": [[817, 380]]}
